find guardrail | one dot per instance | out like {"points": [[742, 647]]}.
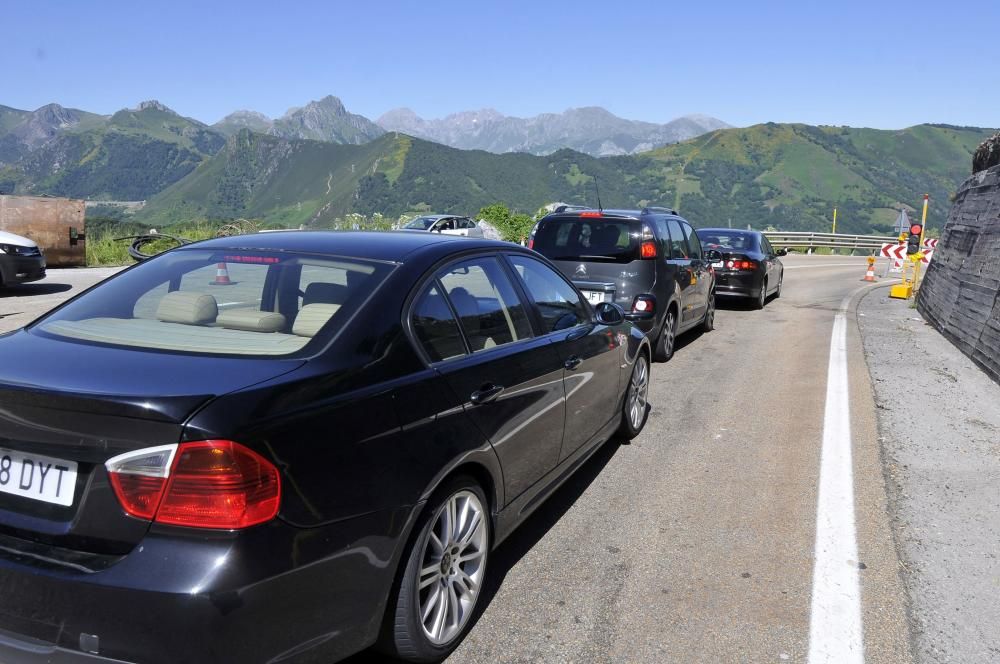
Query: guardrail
{"points": [[811, 241]]}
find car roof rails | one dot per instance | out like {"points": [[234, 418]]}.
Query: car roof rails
{"points": [[570, 208], [664, 210]]}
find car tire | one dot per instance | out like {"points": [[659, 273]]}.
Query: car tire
{"points": [[443, 577], [762, 298], [635, 406], [664, 348], [708, 323], [781, 279]]}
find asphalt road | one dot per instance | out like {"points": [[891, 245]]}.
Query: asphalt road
{"points": [[696, 543]]}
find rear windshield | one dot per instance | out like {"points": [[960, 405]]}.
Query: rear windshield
{"points": [[220, 302], [727, 240], [576, 238]]}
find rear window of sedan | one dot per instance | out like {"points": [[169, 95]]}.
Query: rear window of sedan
{"points": [[220, 302], [726, 240]]}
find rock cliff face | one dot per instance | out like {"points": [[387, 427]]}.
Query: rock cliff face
{"points": [[987, 155], [960, 295]]}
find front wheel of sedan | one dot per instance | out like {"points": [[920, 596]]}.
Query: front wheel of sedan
{"points": [[634, 410], [444, 575]]}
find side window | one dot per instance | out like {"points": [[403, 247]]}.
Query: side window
{"points": [[694, 244], [435, 326], [558, 302], [466, 223], [678, 244], [766, 246], [489, 310]]}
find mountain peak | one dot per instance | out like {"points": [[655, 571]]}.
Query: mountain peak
{"points": [[154, 105], [326, 120]]}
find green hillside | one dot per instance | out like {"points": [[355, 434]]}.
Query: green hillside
{"points": [[132, 155], [781, 175]]}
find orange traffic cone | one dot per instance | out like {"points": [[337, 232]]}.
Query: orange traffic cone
{"points": [[870, 274], [221, 276]]}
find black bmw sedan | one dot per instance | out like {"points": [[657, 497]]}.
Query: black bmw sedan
{"points": [[292, 446], [750, 267]]}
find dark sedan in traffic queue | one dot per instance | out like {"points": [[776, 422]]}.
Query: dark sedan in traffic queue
{"points": [[292, 446], [750, 267]]}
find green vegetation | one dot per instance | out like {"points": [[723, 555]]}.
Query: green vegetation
{"points": [[785, 176], [106, 248], [512, 226]]}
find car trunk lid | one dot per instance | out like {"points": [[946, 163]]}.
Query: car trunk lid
{"points": [[66, 408]]}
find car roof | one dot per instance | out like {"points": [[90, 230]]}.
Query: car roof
{"points": [[616, 213], [392, 246], [727, 230], [438, 216]]}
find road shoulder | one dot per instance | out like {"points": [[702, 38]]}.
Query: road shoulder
{"points": [[938, 419]]}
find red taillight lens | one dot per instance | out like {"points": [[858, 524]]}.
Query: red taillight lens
{"points": [[210, 484], [648, 250], [741, 265], [139, 495], [531, 243], [591, 214]]}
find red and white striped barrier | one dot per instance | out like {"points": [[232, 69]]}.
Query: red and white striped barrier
{"points": [[930, 243]]}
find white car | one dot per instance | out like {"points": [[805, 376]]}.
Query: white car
{"points": [[20, 260], [448, 224]]}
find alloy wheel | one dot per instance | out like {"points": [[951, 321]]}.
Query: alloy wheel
{"points": [[452, 567], [638, 393], [669, 333]]}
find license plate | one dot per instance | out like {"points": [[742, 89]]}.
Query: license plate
{"points": [[594, 297], [37, 477], [718, 265]]}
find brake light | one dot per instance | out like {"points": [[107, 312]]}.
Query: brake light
{"points": [[643, 304], [206, 484], [531, 243], [742, 265], [591, 214], [647, 250]]}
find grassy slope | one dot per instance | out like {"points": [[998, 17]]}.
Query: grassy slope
{"points": [[788, 176]]}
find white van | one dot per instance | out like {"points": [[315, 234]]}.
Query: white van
{"points": [[20, 260]]}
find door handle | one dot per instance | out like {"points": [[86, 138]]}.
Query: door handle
{"points": [[572, 362], [486, 394]]}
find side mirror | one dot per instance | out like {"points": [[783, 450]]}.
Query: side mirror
{"points": [[782, 252], [609, 313], [713, 255]]}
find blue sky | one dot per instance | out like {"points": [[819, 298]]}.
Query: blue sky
{"points": [[875, 64]]}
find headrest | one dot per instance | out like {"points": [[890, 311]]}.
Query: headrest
{"points": [[312, 317], [322, 292], [187, 308], [251, 320]]}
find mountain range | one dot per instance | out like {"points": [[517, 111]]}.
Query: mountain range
{"points": [[320, 161], [591, 130]]}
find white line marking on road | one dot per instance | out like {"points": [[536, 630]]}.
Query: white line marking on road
{"points": [[835, 631], [804, 267]]}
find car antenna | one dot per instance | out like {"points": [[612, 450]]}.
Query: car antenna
{"points": [[598, 190]]}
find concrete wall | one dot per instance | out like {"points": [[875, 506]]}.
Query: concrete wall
{"points": [[959, 295], [47, 221]]}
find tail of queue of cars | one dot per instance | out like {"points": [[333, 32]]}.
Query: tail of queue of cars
{"points": [[649, 261], [315, 455], [750, 268]]}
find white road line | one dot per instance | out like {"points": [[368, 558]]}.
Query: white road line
{"points": [[835, 631], [804, 267]]}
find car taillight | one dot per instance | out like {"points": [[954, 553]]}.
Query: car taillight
{"points": [[592, 214], [643, 304], [531, 243], [647, 249], [741, 265], [204, 484]]}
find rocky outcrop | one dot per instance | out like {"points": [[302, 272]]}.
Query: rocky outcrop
{"points": [[987, 155], [960, 295]]}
